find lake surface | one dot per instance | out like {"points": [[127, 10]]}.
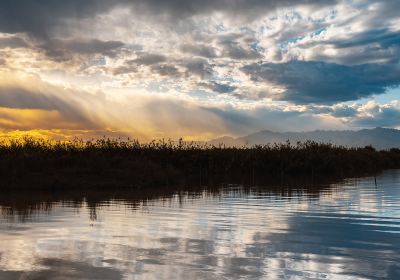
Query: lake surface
{"points": [[349, 230]]}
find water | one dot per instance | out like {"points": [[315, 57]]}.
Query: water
{"points": [[344, 231]]}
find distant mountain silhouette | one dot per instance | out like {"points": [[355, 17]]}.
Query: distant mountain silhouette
{"points": [[380, 138]]}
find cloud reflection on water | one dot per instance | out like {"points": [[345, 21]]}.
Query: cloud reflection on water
{"points": [[350, 230]]}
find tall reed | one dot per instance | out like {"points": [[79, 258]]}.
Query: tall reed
{"points": [[34, 163]]}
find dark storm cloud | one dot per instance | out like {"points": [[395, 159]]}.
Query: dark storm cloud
{"points": [[90, 46], [125, 69], [61, 49], [199, 50], [199, 67], [234, 50], [321, 82], [385, 9], [148, 59], [178, 9], [39, 17], [166, 70]]}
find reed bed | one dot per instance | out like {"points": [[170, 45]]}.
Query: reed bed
{"points": [[107, 163]]}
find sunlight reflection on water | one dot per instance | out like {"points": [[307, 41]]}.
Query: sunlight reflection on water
{"points": [[347, 231]]}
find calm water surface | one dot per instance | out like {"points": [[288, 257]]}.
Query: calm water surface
{"points": [[345, 231]]}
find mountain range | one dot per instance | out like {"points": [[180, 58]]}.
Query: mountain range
{"points": [[379, 138]]}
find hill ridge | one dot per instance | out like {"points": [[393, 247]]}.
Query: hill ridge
{"points": [[379, 137]]}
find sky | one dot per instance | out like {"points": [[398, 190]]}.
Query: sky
{"points": [[197, 69]]}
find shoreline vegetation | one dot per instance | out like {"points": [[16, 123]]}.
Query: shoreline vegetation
{"points": [[31, 163]]}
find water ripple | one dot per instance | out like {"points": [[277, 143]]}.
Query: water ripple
{"points": [[345, 231]]}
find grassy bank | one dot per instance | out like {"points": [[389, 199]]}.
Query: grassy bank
{"points": [[31, 163]]}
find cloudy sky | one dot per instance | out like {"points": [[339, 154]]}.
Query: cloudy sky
{"points": [[197, 69]]}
